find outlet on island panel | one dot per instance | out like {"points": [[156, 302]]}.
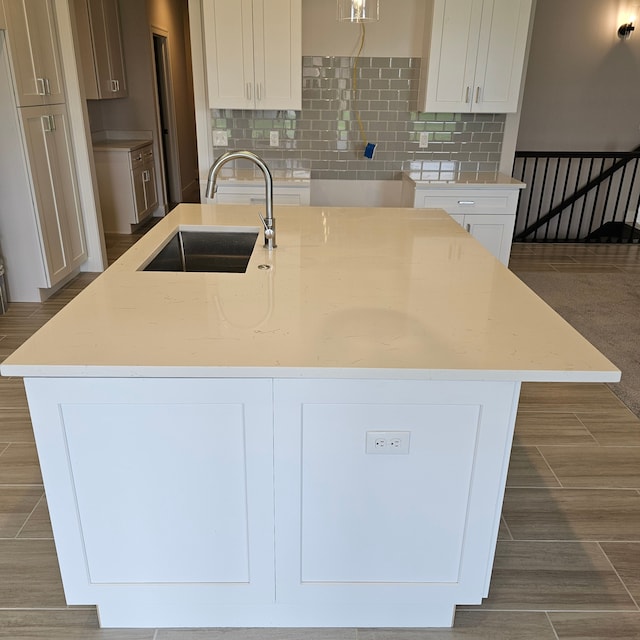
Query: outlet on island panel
{"points": [[388, 442]]}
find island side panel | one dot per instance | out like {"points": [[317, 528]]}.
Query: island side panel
{"points": [[369, 532], [153, 483], [315, 509]]}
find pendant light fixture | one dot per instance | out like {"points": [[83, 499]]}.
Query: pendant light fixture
{"points": [[358, 10]]}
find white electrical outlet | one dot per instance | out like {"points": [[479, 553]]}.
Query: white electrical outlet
{"points": [[274, 138], [388, 442], [220, 138], [424, 140]]}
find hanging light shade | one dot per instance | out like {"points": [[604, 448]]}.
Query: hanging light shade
{"points": [[358, 10]]}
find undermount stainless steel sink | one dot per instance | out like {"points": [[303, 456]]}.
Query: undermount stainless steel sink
{"points": [[206, 250]]}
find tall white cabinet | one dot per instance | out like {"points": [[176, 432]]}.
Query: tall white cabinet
{"points": [[474, 55], [41, 231], [253, 53]]}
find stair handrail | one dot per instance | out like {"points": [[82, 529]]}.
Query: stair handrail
{"points": [[625, 158]]}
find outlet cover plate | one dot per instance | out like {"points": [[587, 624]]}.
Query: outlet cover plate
{"points": [[424, 140], [274, 138], [388, 442], [220, 139]]}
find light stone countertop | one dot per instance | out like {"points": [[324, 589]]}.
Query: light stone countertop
{"points": [[351, 293], [121, 145], [448, 174]]}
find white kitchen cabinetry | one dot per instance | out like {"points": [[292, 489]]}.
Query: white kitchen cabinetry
{"points": [[35, 54], [126, 182], [486, 210], [55, 192], [101, 53], [273, 511], [474, 55], [42, 227], [253, 53]]}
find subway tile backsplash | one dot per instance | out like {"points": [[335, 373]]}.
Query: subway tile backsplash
{"points": [[326, 134]]}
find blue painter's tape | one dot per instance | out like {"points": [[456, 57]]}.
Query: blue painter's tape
{"points": [[369, 150]]}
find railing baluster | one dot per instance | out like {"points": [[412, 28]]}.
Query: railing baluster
{"points": [[542, 192], [561, 221], [585, 200]]}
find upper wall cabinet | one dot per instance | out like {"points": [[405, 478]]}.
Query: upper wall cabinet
{"points": [[253, 53], [33, 39], [474, 58], [101, 48]]}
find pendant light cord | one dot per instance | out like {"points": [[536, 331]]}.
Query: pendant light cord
{"points": [[355, 83]]}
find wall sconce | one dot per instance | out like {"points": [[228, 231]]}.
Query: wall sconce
{"points": [[358, 10], [625, 29]]}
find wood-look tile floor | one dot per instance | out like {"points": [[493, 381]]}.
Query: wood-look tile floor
{"points": [[568, 558]]}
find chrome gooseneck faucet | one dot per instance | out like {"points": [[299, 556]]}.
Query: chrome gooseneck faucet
{"points": [[268, 221]]}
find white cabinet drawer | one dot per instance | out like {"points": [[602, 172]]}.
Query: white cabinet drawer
{"points": [[465, 203], [139, 156], [245, 198]]}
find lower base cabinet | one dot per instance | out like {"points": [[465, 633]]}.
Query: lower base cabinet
{"points": [[486, 211], [210, 502], [126, 182], [493, 232]]}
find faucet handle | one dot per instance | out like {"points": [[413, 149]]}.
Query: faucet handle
{"points": [[269, 232]]}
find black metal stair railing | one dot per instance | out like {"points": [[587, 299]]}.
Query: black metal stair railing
{"points": [[578, 196]]}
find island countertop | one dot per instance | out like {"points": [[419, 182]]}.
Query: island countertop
{"points": [[348, 293]]}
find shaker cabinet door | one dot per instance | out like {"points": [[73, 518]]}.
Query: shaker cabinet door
{"points": [[55, 191], [253, 53], [35, 56], [474, 52]]}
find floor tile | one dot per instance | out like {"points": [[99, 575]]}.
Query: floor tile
{"points": [[257, 634], [572, 514], [596, 626], [625, 557], [518, 263], [19, 465], [534, 428], [12, 393], [38, 524], [527, 468], [64, 624], [16, 505], [586, 268], [503, 531], [475, 625], [610, 467], [555, 575], [30, 574], [15, 430], [559, 397], [617, 429]]}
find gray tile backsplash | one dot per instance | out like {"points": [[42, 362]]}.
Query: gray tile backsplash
{"points": [[326, 134]]}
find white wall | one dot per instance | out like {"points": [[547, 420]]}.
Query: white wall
{"points": [[398, 33], [582, 91]]}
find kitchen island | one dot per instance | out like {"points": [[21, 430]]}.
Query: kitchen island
{"points": [[320, 441]]}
